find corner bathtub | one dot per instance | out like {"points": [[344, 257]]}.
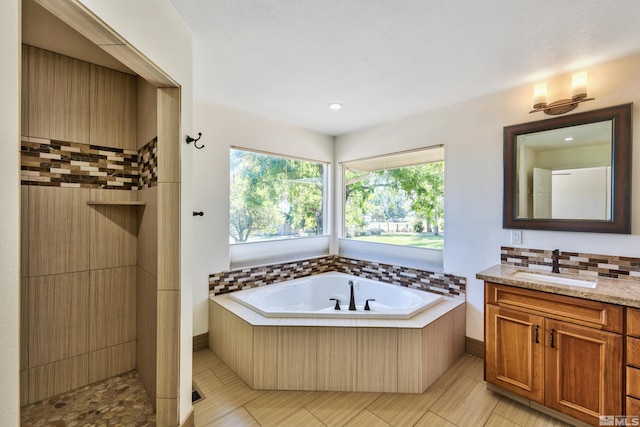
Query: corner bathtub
{"points": [[311, 297], [305, 346]]}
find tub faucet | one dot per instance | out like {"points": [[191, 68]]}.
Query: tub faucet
{"points": [[352, 300], [555, 255]]}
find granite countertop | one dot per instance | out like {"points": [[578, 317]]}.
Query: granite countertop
{"points": [[615, 291]]}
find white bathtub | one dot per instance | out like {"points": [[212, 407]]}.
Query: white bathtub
{"points": [[310, 297]]}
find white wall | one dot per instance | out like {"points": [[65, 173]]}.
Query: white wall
{"points": [[472, 135], [155, 29], [10, 39], [222, 128]]}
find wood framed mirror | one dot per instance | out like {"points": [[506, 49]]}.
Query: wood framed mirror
{"points": [[570, 173]]}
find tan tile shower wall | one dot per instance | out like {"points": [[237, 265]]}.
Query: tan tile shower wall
{"points": [[56, 102], [79, 293], [112, 100], [146, 331], [168, 258], [78, 296], [594, 265], [51, 212], [245, 278], [124, 112], [69, 108]]}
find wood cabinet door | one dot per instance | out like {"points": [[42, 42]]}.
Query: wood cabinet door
{"points": [[514, 354], [583, 371]]}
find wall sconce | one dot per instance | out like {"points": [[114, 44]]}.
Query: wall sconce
{"points": [[578, 95]]}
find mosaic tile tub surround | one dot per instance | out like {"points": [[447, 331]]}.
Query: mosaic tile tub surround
{"points": [[251, 277], [48, 162], [591, 265]]}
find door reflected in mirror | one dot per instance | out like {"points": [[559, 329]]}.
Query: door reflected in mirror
{"points": [[565, 173]]}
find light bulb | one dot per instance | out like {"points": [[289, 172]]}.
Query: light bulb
{"points": [[579, 85], [540, 95]]}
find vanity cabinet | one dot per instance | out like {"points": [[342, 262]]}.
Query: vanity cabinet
{"points": [[633, 362], [561, 352], [514, 358]]}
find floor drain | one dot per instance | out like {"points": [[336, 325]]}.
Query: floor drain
{"points": [[195, 395]]}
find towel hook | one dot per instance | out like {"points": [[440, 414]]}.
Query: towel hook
{"points": [[195, 141]]}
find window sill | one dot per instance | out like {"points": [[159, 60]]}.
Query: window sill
{"points": [[252, 254], [405, 256]]}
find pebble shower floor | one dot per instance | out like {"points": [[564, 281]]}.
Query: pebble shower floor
{"points": [[117, 401]]}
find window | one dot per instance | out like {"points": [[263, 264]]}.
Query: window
{"points": [[274, 197], [396, 199]]}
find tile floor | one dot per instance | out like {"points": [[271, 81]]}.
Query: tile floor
{"points": [[458, 398], [116, 401]]}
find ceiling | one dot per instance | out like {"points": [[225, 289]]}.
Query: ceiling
{"points": [[389, 59]]}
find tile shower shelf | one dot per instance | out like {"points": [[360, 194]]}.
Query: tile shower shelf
{"points": [[117, 202]]}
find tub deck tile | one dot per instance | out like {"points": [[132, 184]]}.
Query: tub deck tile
{"points": [[418, 321]]}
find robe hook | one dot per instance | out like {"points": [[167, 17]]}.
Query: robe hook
{"points": [[195, 141]]}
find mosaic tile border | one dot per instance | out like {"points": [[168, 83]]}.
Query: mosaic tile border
{"points": [[48, 162], [148, 164], [584, 264], [53, 163], [439, 283], [251, 277]]}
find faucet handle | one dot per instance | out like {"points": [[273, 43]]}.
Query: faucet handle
{"points": [[366, 304], [337, 307], [555, 261]]}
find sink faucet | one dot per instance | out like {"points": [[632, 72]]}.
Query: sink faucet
{"points": [[352, 300], [555, 255]]}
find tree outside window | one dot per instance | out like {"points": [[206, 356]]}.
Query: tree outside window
{"points": [[274, 197], [399, 200]]}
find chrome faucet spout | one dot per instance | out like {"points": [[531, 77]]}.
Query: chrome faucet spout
{"points": [[352, 299]]}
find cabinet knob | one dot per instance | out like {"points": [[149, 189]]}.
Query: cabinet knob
{"points": [[552, 332], [536, 334]]}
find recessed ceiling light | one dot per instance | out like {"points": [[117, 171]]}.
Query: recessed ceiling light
{"points": [[335, 106], [569, 138]]}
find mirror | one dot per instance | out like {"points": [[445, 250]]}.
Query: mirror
{"points": [[570, 173]]}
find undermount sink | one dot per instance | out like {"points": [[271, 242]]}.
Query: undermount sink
{"points": [[556, 280]]}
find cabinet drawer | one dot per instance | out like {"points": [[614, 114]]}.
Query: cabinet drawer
{"points": [[633, 382], [633, 351], [633, 406], [593, 314], [633, 322]]}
